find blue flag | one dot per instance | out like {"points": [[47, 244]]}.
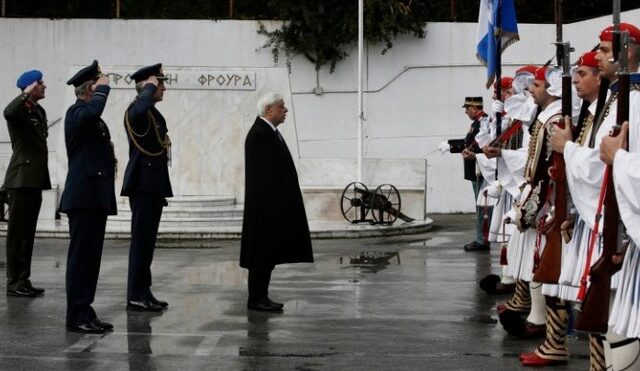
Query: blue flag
{"points": [[489, 30]]}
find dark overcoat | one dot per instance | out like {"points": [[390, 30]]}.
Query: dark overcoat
{"points": [[91, 174], [146, 173], [470, 163], [274, 228], [27, 124]]}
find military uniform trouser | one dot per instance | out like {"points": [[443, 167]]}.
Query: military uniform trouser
{"points": [[480, 213], [86, 230], [24, 207], [146, 210]]}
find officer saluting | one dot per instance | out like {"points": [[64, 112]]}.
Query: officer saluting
{"points": [[146, 183], [89, 195], [27, 175]]}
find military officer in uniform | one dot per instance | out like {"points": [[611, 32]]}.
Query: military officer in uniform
{"points": [[473, 109], [27, 175], [274, 226], [89, 195], [146, 183]]}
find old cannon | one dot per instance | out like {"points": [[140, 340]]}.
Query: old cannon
{"points": [[383, 203]]}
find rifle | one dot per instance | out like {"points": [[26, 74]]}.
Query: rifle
{"points": [[498, 36], [502, 139], [548, 270], [594, 314]]}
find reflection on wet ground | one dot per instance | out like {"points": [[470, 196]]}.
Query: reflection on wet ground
{"points": [[370, 261], [421, 309]]}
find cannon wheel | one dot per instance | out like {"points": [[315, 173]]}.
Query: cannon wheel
{"points": [[351, 203], [386, 213]]}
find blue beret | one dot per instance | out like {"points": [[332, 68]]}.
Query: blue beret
{"points": [[146, 72], [28, 78], [91, 72]]}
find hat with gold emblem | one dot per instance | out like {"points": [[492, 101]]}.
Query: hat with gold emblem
{"points": [[472, 102]]}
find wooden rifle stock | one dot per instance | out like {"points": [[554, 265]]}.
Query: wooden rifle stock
{"points": [[548, 270], [594, 314], [502, 139]]}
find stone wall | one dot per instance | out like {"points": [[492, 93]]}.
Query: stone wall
{"points": [[412, 99]]}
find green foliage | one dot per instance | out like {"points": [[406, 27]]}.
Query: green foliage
{"points": [[528, 11], [322, 30], [384, 20]]}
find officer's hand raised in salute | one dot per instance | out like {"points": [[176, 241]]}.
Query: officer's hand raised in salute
{"points": [[102, 80], [152, 80], [31, 86]]}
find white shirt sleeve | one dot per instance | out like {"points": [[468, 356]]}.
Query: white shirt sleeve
{"points": [[626, 173], [626, 179], [487, 167], [584, 172], [515, 161], [484, 135]]}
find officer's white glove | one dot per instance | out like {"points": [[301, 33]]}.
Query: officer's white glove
{"points": [[497, 106], [444, 147]]}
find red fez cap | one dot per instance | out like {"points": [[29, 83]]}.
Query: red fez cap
{"points": [[541, 74], [634, 33], [505, 83], [588, 59], [527, 69]]}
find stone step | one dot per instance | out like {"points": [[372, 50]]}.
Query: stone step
{"points": [[117, 221], [195, 212], [185, 202], [184, 212]]}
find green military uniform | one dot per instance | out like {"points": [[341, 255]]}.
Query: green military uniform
{"points": [[27, 175]]}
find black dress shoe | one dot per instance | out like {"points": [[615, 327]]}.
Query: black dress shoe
{"points": [[105, 325], [21, 293], [36, 290], [143, 306], [264, 306], [475, 246], [274, 303], [87, 328], [161, 303]]}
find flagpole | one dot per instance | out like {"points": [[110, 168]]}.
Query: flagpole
{"points": [[360, 105], [498, 35], [558, 16], [498, 69]]}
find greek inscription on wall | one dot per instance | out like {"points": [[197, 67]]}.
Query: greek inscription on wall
{"points": [[192, 80]]}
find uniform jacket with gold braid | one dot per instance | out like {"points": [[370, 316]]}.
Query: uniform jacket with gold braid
{"points": [[536, 170], [27, 124], [147, 170]]}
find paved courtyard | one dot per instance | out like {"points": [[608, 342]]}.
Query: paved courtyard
{"points": [[405, 302]]}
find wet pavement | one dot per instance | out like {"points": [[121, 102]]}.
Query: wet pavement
{"points": [[386, 303]]}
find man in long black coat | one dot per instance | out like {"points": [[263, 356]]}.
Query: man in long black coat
{"points": [[27, 175], [88, 197], [275, 228]]}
